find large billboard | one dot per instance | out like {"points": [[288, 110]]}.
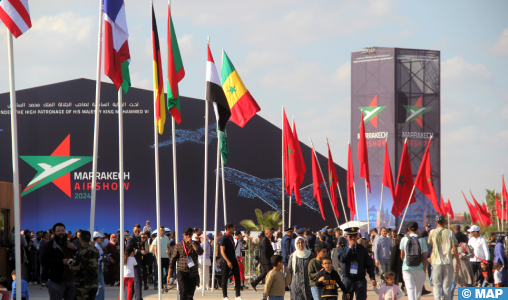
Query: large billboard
{"points": [[55, 136], [398, 91]]}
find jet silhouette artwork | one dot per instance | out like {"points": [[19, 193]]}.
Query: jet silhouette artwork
{"points": [[268, 190], [195, 136]]}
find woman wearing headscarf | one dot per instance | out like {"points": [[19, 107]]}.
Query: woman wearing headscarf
{"points": [[396, 262], [299, 268], [113, 250], [465, 275], [499, 257]]}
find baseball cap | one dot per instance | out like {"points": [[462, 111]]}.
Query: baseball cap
{"points": [[230, 225], [296, 226], [210, 235], [413, 226], [474, 228], [96, 234]]}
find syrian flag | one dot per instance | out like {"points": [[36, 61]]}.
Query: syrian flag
{"points": [[16, 16], [215, 93]]}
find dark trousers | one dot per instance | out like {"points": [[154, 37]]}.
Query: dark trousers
{"points": [[59, 291], [138, 282], [186, 285], [164, 266], [83, 293], [264, 271], [355, 286], [475, 266], [227, 273]]}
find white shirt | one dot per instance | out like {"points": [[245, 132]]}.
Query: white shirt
{"points": [[497, 277], [128, 268], [238, 248], [480, 249], [98, 247]]}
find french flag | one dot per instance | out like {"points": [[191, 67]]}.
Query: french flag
{"points": [[116, 46]]}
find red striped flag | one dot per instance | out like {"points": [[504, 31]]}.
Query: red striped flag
{"points": [[16, 16]]}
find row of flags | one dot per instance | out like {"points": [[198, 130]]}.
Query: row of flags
{"points": [[480, 214]]}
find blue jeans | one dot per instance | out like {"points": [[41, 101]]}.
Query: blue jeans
{"points": [[429, 271], [100, 291], [275, 297], [316, 292], [485, 284]]}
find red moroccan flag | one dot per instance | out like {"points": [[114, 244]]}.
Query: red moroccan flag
{"points": [[504, 193], [387, 173], [442, 205], [350, 184], [472, 211], [292, 163], [301, 166], [317, 179], [333, 181], [483, 213], [424, 181], [499, 208], [450, 210], [404, 184], [363, 155]]}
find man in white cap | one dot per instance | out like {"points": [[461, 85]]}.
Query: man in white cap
{"points": [[480, 249], [100, 290]]}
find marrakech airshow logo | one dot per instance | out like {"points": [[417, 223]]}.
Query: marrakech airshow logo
{"points": [[416, 112], [371, 112], [55, 168]]}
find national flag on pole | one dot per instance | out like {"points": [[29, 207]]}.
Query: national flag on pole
{"points": [[387, 174], [499, 208], [350, 184], [504, 193], [215, 93], [116, 45], [450, 210], [424, 181], [333, 180], [301, 166], [442, 206], [224, 147], [472, 211], [176, 72], [483, 213], [404, 184], [16, 16], [158, 78], [363, 155], [292, 163], [317, 179], [242, 104]]}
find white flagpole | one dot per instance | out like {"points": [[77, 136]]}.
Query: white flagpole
{"points": [[96, 123], [223, 190], [367, 200], [356, 202], [291, 195], [121, 189], [502, 203], [327, 192], [283, 192], [216, 212], [15, 167], [407, 207], [382, 186], [175, 178]]}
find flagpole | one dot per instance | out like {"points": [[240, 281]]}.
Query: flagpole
{"points": [[407, 207], [356, 202], [283, 200], [382, 186], [291, 194], [96, 122], [216, 211], [223, 189], [121, 180], [327, 192], [342, 202], [367, 200], [502, 204], [15, 166]]}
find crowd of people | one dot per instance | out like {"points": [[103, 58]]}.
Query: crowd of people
{"points": [[309, 264]]}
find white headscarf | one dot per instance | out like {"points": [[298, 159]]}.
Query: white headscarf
{"points": [[299, 253]]}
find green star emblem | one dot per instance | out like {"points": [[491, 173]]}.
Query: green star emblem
{"points": [[330, 178], [431, 181], [401, 180], [290, 152], [232, 89]]}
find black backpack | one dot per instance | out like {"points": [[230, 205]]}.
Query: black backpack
{"points": [[413, 252]]}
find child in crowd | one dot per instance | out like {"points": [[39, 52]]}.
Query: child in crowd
{"points": [[389, 289], [314, 268], [485, 278], [128, 271], [497, 275], [24, 287], [328, 281], [4, 293], [276, 283]]}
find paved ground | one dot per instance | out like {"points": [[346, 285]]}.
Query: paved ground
{"points": [[112, 293]]}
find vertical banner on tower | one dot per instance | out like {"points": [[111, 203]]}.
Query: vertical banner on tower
{"points": [[399, 93]]}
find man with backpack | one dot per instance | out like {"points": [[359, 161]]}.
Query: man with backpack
{"points": [[443, 242], [413, 251]]}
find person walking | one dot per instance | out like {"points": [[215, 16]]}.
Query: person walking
{"points": [[413, 254], [85, 269], [356, 264], [480, 249], [299, 269], [464, 277], [55, 256], [134, 241], [285, 245], [229, 264], [382, 247], [396, 263], [500, 258], [162, 241], [128, 272], [100, 290], [113, 251], [186, 254], [265, 255], [204, 259], [443, 243], [315, 265]]}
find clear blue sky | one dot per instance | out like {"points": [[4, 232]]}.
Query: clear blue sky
{"points": [[297, 53]]}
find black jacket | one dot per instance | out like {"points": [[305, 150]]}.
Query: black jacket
{"points": [[266, 251], [52, 262], [362, 257], [136, 243], [480, 277]]}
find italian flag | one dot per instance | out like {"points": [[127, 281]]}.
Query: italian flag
{"points": [[176, 72]]}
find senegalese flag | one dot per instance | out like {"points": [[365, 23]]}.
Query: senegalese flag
{"points": [[176, 72], [158, 79], [242, 104]]}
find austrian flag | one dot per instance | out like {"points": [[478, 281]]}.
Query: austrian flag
{"points": [[16, 16]]}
